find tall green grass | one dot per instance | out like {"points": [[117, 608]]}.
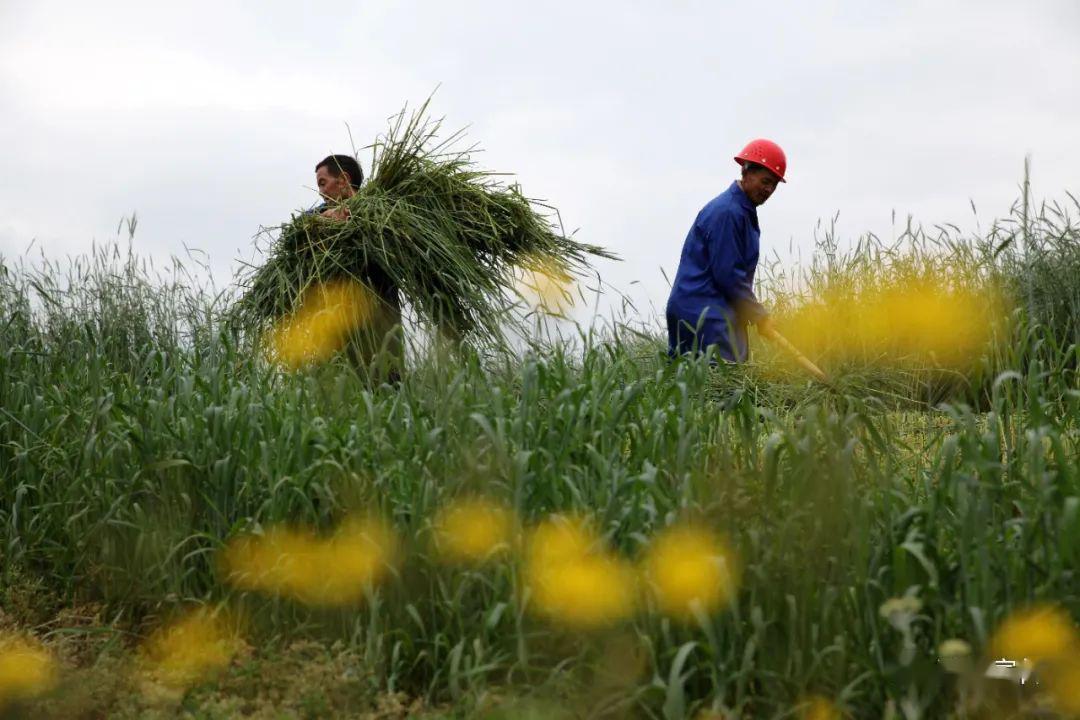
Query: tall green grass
{"points": [[136, 437], [1026, 264]]}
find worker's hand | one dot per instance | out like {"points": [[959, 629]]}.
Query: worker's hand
{"points": [[765, 327], [340, 212]]}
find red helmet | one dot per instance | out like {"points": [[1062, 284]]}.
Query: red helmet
{"points": [[765, 153]]}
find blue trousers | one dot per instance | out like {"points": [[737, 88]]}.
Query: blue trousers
{"points": [[693, 337]]}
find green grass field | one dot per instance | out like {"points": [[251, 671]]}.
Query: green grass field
{"points": [[138, 436]]}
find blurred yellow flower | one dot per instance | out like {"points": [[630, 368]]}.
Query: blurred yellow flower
{"points": [[546, 283], [589, 592], [360, 554], [690, 568], [312, 570], [26, 669], [473, 530], [926, 320], [1044, 632], [1062, 681], [954, 647], [191, 649], [560, 539], [817, 707], [328, 313], [270, 562], [573, 580], [955, 655], [1044, 638]]}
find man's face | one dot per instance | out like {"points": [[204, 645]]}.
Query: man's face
{"points": [[333, 188], [759, 184]]}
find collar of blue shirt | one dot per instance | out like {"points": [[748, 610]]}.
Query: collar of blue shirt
{"points": [[741, 197]]}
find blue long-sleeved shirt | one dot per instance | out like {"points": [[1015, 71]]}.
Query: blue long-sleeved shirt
{"points": [[714, 284]]}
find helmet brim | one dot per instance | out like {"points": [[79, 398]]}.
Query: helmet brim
{"points": [[740, 159]]}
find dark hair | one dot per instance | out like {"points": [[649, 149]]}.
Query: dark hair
{"points": [[749, 167], [337, 164]]}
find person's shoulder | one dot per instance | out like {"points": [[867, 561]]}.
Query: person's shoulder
{"points": [[721, 208]]}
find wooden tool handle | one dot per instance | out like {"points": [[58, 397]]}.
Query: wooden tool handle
{"points": [[804, 361]]}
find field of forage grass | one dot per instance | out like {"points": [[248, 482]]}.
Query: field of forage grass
{"points": [[584, 530]]}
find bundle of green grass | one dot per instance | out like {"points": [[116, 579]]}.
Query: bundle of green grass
{"points": [[450, 236]]}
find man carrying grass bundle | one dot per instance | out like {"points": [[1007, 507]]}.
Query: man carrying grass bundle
{"points": [[429, 233], [712, 299], [338, 178]]}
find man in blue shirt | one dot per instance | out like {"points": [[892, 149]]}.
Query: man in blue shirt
{"points": [[712, 299]]}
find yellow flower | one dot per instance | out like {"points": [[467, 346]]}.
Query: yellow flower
{"points": [[546, 283], [817, 707], [473, 530], [1062, 680], [560, 539], [191, 649], [315, 571], [1040, 633], [359, 555], [690, 568], [586, 593], [26, 670], [926, 319], [954, 647], [271, 562], [573, 581], [955, 655], [1046, 637], [321, 326]]}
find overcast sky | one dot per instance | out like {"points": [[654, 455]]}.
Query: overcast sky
{"points": [[206, 118]]}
